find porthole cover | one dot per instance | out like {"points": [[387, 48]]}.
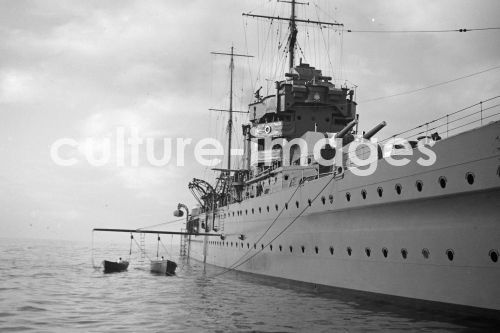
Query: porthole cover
{"points": [[426, 253], [494, 255], [363, 194], [450, 254], [404, 253], [349, 250], [348, 196], [385, 252], [368, 251], [419, 185], [380, 190], [442, 182], [398, 188], [469, 176]]}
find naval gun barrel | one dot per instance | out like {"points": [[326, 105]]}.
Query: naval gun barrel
{"points": [[374, 130], [346, 129]]}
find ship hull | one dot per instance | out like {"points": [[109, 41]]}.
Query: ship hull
{"points": [[436, 243]]}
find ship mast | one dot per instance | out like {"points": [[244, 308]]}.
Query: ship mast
{"points": [[231, 111], [293, 36], [230, 121], [293, 26]]}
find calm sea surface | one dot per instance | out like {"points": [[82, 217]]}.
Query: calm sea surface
{"points": [[52, 286]]}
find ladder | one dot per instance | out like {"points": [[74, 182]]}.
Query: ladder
{"points": [[183, 244], [142, 246]]}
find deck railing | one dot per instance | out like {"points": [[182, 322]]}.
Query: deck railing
{"points": [[470, 117]]}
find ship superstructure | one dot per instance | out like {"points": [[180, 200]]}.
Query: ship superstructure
{"points": [[427, 229]]}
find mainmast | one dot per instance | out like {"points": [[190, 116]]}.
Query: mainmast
{"points": [[293, 36], [293, 27]]}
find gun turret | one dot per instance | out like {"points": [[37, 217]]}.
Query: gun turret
{"points": [[374, 130], [346, 129]]}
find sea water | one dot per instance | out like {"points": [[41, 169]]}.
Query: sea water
{"points": [[53, 286]]}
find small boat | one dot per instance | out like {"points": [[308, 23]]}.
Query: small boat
{"points": [[113, 266], [165, 267]]}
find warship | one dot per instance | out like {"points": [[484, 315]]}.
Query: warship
{"points": [[423, 224]]}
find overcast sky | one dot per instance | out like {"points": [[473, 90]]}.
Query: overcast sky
{"points": [[79, 69]]}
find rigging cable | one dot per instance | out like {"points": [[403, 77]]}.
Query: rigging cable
{"points": [[159, 224], [424, 31], [430, 86], [236, 264]]}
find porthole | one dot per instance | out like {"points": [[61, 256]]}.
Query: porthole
{"points": [[316, 249], [323, 200], [297, 204], [248, 245], [286, 177], [260, 210], [419, 185], [236, 244], [242, 244], [253, 211], [442, 181], [469, 176], [254, 245], [330, 197], [262, 246], [246, 211], [291, 248], [349, 250], [271, 247], [450, 254], [398, 189], [268, 209], [425, 253], [404, 253], [231, 244], [363, 194], [303, 248], [380, 191], [494, 255], [309, 202], [276, 206], [281, 248], [286, 205], [331, 250], [348, 196], [368, 251]]}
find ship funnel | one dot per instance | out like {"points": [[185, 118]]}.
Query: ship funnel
{"points": [[374, 130], [346, 129]]}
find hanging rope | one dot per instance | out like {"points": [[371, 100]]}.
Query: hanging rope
{"points": [[92, 254], [157, 246], [130, 250]]}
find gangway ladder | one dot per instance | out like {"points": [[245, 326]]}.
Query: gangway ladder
{"points": [[221, 224], [183, 246], [142, 245]]}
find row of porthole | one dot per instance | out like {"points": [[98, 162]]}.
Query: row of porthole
{"points": [[450, 254], [469, 176]]}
